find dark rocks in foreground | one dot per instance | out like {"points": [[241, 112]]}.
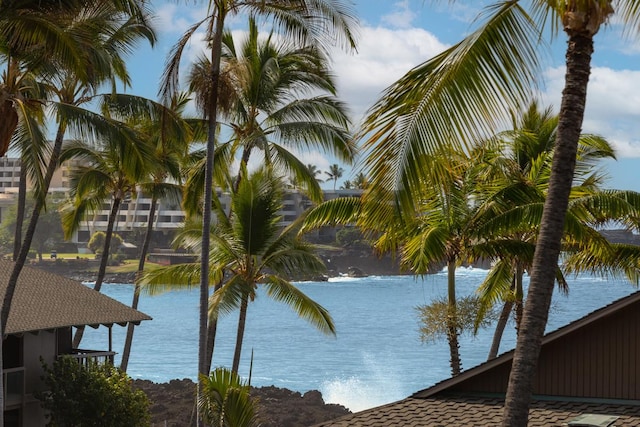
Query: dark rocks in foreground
{"points": [[173, 404]]}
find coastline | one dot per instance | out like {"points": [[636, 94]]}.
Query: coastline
{"points": [[172, 403]]}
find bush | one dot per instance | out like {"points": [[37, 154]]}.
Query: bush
{"points": [[96, 243], [92, 395]]}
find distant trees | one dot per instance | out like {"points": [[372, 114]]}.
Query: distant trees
{"points": [[334, 174], [96, 242]]}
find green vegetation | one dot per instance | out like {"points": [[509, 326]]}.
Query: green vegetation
{"points": [[225, 400], [92, 395], [436, 189], [247, 250], [96, 242]]}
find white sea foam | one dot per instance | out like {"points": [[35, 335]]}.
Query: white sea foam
{"points": [[378, 386]]}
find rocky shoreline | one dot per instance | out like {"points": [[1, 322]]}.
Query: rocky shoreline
{"points": [[173, 405]]}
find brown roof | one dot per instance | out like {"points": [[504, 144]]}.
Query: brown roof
{"points": [[47, 301], [475, 410], [439, 406]]}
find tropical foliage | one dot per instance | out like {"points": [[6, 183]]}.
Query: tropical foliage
{"points": [[252, 248], [315, 22], [225, 400], [102, 395], [462, 94]]}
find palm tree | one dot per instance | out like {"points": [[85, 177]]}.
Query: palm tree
{"points": [[110, 171], [252, 246], [169, 134], [266, 86], [318, 20], [116, 34], [440, 232], [313, 170], [334, 174], [361, 182], [225, 400], [347, 185], [464, 92], [520, 162]]}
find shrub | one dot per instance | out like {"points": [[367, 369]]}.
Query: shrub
{"points": [[92, 395], [96, 243]]}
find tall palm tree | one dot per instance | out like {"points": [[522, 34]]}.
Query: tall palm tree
{"points": [[251, 245], [316, 20], [39, 38], [117, 31], [464, 92], [170, 135], [111, 172], [334, 174], [440, 231], [268, 107], [521, 166]]}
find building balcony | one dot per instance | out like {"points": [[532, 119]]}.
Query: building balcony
{"points": [[85, 357]]}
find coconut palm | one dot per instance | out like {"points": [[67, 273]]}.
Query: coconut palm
{"points": [[170, 136], [43, 38], [316, 20], [255, 250], [313, 170], [361, 182], [464, 92], [117, 32], [111, 172], [521, 166], [440, 231], [334, 174], [266, 85], [225, 400]]}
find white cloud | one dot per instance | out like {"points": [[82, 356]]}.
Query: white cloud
{"points": [[402, 17], [384, 55], [172, 19], [613, 105]]}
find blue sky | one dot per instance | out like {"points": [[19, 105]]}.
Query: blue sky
{"points": [[394, 36]]}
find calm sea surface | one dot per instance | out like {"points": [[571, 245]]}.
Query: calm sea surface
{"points": [[377, 356]]}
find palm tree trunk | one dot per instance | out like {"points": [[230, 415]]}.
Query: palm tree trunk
{"points": [[211, 333], [103, 261], [536, 311], [242, 320], [31, 229], [22, 202], [500, 327], [216, 52], [26, 245], [519, 297], [136, 291], [452, 321]]}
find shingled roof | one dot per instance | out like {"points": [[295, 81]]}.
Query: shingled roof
{"points": [[462, 401], [469, 410], [48, 301]]}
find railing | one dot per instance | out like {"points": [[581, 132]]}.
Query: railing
{"points": [[13, 382], [92, 356]]}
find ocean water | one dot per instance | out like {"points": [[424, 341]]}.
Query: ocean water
{"points": [[377, 356]]}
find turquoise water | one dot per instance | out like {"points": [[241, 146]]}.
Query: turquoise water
{"points": [[377, 356]]}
